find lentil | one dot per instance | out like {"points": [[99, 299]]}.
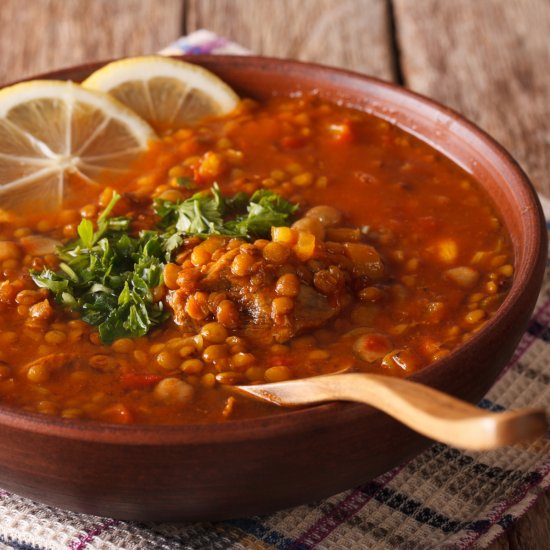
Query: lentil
{"points": [[123, 345], [168, 360], [276, 253], [242, 265], [227, 314], [214, 353], [277, 374], [55, 337], [214, 332], [192, 366], [230, 378]]}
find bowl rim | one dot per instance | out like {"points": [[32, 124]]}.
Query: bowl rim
{"points": [[300, 420]]}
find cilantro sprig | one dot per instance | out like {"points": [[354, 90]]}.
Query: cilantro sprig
{"points": [[108, 276]]}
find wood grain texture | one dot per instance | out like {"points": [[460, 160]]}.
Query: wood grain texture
{"points": [[489, 60], [531, 532], [50, 34], [348, 33]]}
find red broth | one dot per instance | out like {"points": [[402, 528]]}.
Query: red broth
{"points": [[405, 259]]}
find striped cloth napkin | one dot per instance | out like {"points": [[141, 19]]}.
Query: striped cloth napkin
{"points": [[444, 498]]}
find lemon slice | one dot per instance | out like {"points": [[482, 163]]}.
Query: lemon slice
{"points": [[165, 92], [52, 129]]}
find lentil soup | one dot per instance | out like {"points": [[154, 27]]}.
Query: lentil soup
{"points": [[288, 239]]}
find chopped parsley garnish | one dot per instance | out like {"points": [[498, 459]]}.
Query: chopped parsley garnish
{"points": [[108, 276], [238, 216]]}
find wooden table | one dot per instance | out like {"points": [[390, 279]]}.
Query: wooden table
{"points": [[489, 59]]}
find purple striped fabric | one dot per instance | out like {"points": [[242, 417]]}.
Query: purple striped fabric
{"points": [[86, 538], [343, 511]]}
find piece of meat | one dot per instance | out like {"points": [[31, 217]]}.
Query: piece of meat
{"points": [[311, 310], [265, 316]]}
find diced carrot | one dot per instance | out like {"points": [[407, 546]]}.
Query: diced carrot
{"points": [[41, 311], [401, 362], [305, 247], [284, 235]]}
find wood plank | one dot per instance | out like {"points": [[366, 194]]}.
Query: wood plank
{"points": [[346, 33], [491, 61], [531, 531], [504, 87], [50, 34]]}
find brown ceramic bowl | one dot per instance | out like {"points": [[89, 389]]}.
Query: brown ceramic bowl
{"points": [[238, 468]]}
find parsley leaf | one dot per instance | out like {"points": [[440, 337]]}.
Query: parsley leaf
{"points": [[201, 214], [86, 232], [264, 211], [213, 214]]}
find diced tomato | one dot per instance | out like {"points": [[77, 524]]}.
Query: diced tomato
{"points": [[293, 142], [372, 347], [137, 381], [279, 361], [376, 342], [118, 413], [342, 133]]}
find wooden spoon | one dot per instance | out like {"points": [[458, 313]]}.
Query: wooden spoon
{"points": [[424, 409]]}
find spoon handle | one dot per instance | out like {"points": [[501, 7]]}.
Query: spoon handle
{"points": [[441, 416], [428, 411]]}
